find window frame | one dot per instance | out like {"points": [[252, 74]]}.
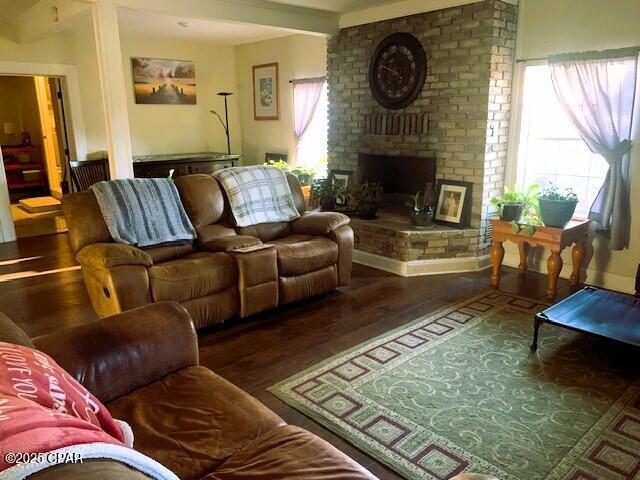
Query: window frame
{"points": [[515, 168]]}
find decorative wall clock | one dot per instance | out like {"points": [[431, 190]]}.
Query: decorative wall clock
{"points": [[397, 70]]}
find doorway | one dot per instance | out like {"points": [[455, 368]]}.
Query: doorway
{"points": [[34, 144]]}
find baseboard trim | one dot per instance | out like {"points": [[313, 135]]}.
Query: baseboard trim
{"points": [[611, 281], [414, 268]]}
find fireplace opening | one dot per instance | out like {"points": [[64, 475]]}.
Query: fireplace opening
{"points": [[399, 176]]}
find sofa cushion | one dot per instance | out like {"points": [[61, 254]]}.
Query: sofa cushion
{"points": [[193, 420], [299, 254], [193, 276], [289, 452]]}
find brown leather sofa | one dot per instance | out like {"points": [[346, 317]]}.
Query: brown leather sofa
{"points": [[216, 278], [143, 365]]}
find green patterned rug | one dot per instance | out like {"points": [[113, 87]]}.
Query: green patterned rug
{"points": [[459, 390]]}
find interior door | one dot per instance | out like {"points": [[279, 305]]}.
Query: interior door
{"points": [[55, 86], [50, 135]]}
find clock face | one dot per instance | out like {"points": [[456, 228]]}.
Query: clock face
{"points": [[397, 70]]}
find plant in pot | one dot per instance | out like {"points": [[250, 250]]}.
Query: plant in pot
{"points": [[422, 207], [509, 205], [557, 205], [326, 191], [304, 175], [367, 198]]}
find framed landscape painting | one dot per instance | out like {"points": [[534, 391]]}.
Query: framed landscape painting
{"points": [[165, 82], [265, 92]]}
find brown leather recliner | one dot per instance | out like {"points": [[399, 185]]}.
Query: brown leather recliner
{"points": [[143, 365], [212, 279], [314, 252]]}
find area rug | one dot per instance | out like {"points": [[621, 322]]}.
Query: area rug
{"points": [[459, 390]]}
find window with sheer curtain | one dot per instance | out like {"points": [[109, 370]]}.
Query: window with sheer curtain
{"points": [[550, 148], [312, 148]]}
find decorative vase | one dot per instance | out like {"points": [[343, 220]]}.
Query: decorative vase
{"points": [[557, 213], [422, 218], [306, 193], [367, 210], [511, 212]]}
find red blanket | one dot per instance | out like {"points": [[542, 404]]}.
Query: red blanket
{"points": [[42, 408]]}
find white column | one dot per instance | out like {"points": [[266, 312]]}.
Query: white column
{"points": [[112, 85], [7, 230]]}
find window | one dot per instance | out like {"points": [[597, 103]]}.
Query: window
{"points": [[550, 149], [312, 149]]}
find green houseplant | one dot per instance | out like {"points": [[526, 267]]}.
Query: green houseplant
{"points": [[367, 198], [514, 202], [303, 174], [557, 205], [421, 205], [326, 191]]}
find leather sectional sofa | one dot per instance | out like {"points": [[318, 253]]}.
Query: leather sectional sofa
{"points": [[228, 271], [143, 365]]}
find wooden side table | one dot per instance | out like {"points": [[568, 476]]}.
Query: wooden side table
{"points": [[553, 239]]}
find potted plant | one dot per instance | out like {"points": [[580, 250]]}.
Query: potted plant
{"points": [[326, 191], [557, 206], [422, 207], [304, 175], [367, 198]]}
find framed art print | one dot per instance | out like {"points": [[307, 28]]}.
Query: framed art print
{"points": [[454, 203], [265, 92], [341, 178], [163, 82]]}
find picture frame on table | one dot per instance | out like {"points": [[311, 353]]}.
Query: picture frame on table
{"points": [[342, 178], [455, 199], [266, 99]]}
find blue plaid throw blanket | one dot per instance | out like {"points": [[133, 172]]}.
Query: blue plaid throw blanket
{"points": [[144, 212], [258, 194]]}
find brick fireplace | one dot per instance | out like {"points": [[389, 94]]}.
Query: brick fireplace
{"points": [[459, 122]]}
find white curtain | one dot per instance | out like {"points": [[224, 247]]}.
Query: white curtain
{"points": [[597, 90], [306, 94]]}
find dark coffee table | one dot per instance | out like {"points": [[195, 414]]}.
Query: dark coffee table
{"points": [[602, 313]]}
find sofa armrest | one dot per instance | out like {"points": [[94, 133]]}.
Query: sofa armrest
{"points": [[344, 237], [319, 223], [106, 255], [116, 355]]}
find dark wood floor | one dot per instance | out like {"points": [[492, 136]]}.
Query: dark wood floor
{"points": [[41, 288]]}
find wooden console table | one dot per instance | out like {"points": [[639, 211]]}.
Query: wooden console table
{"points": [[553, 239], [154, 166]]}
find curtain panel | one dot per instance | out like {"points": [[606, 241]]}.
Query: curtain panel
{"points": [[597, 91], [306, 95]]}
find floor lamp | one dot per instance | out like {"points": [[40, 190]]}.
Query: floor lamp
{"points": [[225, 123]]}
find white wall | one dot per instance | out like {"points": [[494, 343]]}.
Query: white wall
{"points": [[552, 26], [157, 129], [19, 105], [298, 56]]}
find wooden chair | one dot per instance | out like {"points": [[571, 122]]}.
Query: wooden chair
{"points": [[86, 173]]}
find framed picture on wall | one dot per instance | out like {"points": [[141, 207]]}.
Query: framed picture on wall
{"points": [[266, 103], [454, 203], [165, 82]]}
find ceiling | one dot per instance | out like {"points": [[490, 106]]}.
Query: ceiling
{"points": [[9, 9], [224, 33], [336, 6]]}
